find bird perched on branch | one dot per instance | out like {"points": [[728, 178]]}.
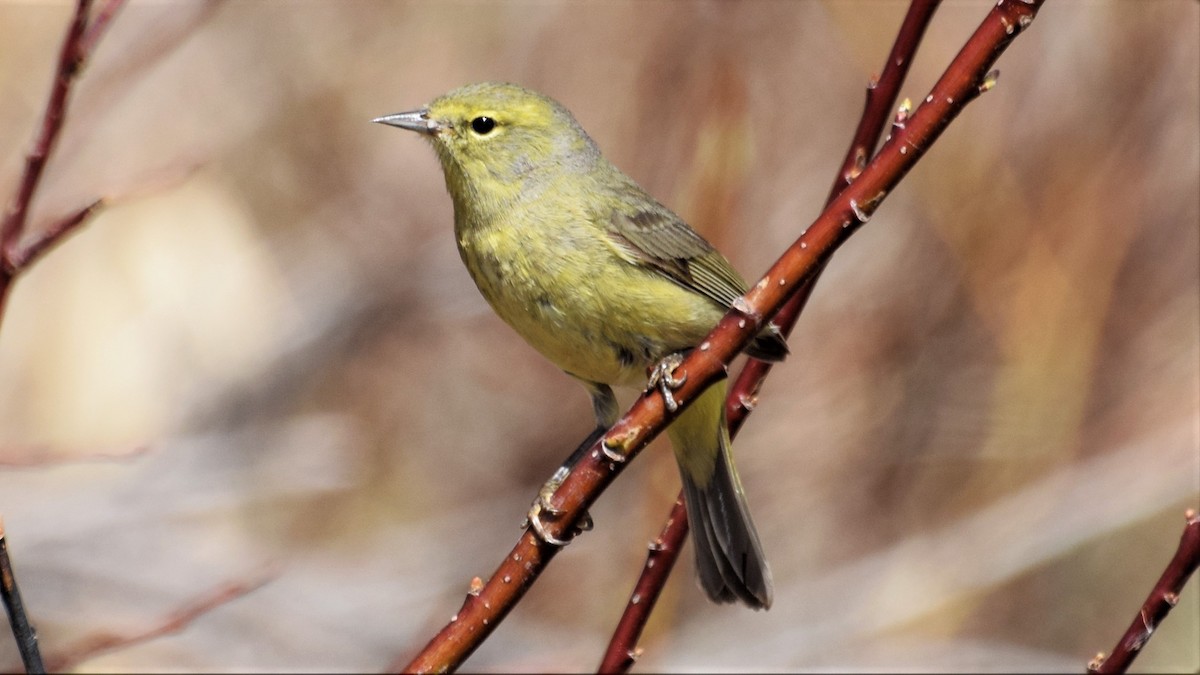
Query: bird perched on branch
{"points": [[606, 283]]}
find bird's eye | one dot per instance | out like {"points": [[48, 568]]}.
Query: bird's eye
{"points": [[483, 125]]}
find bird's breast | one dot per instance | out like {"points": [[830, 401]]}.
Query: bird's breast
{"points": [[562, 287]]}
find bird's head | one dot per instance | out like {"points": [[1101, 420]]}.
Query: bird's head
{"points": [[497, 141]]}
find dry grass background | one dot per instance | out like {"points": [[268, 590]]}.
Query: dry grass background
{"points": [[266, 352]]}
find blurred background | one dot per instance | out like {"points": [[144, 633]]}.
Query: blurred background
{"points": [[265, 361]]}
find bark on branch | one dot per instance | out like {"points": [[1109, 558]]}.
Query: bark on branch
{"points": [[1159, 603]]}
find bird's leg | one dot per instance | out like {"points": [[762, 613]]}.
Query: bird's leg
{"points": [[543, 503], [662, 378], [604, 404], [563, 471]]}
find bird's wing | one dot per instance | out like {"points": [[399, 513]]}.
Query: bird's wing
{"points": [[658, 239], [648, 234]]}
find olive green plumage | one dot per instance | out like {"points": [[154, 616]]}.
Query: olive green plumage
{"points": [[602, 280]]}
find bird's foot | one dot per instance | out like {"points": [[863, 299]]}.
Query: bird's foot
{"points": [[662, 378], [543, 504]]}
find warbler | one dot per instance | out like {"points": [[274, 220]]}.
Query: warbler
{"points": [[606, 283]]}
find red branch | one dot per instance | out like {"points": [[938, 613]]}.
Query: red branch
{"points": [[77, 47], [70, 58], [664, 552], [1161, 600], [43, 241], [966, 77]]}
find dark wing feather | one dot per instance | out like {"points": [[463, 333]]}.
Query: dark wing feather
{"points": [[660, 240]]}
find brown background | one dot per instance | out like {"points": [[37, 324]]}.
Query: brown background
{"points": [[266, 352]]}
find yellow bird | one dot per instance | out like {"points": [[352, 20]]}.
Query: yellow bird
{"points": [[606, 283]]}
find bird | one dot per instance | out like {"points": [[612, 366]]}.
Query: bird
{"points": [[606, 283]]}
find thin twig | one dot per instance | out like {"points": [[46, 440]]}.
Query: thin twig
{"points": [[23, 631], [176, 621], [30, 253], [101, 20], [966, 77], [1159, 603], [880, 99], [42, 456], [72, 56], [77, 47], [70, 59], [664, 551]]}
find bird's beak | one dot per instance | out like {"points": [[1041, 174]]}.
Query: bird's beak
{"points": [[413, 120]]}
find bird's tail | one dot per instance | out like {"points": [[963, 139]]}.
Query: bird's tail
{"points": [[729, 557]]}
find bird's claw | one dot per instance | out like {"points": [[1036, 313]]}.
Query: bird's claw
{"points": [[662, 378], [543, 504], [534, 521], [613, 453]]}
